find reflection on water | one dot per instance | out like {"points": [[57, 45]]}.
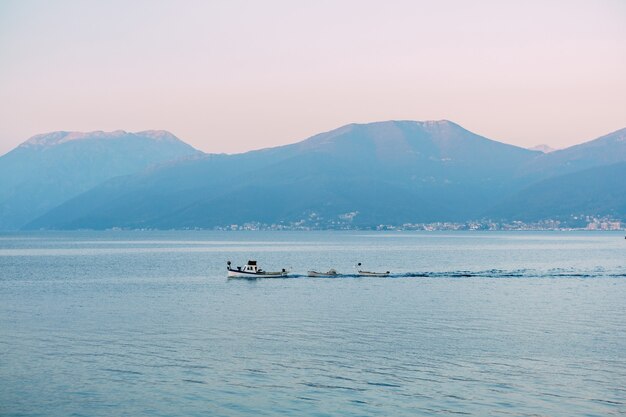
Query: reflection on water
{"points": [[128, 323]]}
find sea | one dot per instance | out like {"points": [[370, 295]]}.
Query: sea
{"points": [[134, 323]]}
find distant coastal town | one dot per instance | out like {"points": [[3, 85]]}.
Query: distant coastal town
{"points": [[345, 223]]}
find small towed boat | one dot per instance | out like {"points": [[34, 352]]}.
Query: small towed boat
{"points": [[251, 270], [330, 273], [370, 273]]}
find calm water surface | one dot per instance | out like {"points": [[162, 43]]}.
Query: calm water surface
{"points": [[146, 323]]}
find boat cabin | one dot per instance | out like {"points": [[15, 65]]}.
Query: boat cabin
{"points": [[251, 266]]}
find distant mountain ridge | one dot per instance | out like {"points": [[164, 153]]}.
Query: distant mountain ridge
{"points": [[360, 175], [397, 171], [50, 168], [605, 150], [600, 191], [57, 138]]}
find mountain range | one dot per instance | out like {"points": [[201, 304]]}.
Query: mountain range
{"points": [[49, 169], [362, 175]]}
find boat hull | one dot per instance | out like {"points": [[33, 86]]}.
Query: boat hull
{"points": [[234, 273]]}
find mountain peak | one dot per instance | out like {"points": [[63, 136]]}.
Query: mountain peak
{"points": [[383, 128], [543, 148], [51, 168], [60, 137], [442, 122], [423, 123], [159, 135], [431, 126], [46, 140], [408, 142]]}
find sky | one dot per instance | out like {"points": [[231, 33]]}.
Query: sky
{"points": [[230, 76]]}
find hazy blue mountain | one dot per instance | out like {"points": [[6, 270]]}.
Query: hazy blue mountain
{"points": [[386, 172], [605, 150], [597, 191], [49, 169], [379, 173]]}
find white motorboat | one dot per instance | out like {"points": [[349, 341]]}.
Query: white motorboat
{"points": [[370, 273], [330, 273], [251, 270]]}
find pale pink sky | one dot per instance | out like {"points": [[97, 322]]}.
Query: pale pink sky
{"points": [[229, 76]]}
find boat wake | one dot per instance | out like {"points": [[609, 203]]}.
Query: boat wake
{"points": [[490, 273]]}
